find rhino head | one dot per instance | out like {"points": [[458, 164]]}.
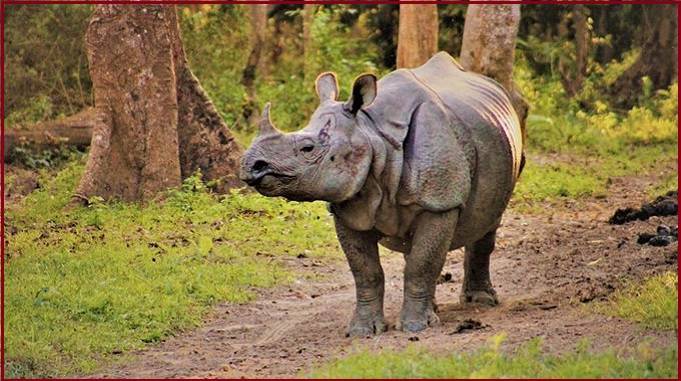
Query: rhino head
{"points": [[328, 160]]}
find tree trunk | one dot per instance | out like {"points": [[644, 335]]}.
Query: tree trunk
{"points": [[308, 45], [154, 123], [573, 71], [658, 58], [604, 52], [417, 34], [258, 18], [488, 47]]}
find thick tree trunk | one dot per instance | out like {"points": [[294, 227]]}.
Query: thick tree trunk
{"points": [[74, 130], [488, 47], [417, 34], [658, 58], [154, 124], [134, 151], [258, 18]]}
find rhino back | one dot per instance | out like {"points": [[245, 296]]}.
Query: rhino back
{"points": [[487, 132], [479, 101]]}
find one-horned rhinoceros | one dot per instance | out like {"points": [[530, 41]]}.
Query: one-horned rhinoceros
{"points": [[423, 161]]}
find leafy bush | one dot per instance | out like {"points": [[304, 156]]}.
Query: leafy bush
{"points": [[559, 124]]}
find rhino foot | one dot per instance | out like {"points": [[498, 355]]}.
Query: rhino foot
{"points": [[366, 326], [486, 297], [414, 321]]}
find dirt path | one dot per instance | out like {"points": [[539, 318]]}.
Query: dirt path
{"points": [[547, 269]]}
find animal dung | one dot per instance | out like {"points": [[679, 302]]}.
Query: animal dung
{"points": [[469, 325], [662, 206], [662, 237]]}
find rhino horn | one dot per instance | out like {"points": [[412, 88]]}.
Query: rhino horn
{"points": [[265, 125]]}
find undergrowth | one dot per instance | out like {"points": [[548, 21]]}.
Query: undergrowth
{"points": [[528, 361], [572, 153], [84, 285], [653, 303]]}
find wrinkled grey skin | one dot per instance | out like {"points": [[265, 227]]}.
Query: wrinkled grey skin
{"points": [[419, 162]]}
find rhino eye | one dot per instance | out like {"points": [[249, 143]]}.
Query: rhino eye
{"points": [[307, 148]]}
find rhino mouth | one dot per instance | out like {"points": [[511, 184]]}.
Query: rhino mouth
{"points": [[264, 180]]}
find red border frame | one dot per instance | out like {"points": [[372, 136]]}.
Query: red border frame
{"points": [[177, 2], [349, 2]]}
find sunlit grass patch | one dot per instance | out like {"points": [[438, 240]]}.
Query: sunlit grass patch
{"points": [[575, 175], [652, 303], [543, 181], [86, 284], [528, 361]]}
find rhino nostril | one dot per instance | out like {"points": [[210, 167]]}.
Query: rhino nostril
{"points": [[259, 165]]}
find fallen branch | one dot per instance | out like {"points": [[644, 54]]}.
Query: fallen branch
{"points": [[74, 130]]}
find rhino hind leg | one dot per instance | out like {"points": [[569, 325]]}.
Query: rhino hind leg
{"points": [[477, 286], [361, 251], [430, 243]]}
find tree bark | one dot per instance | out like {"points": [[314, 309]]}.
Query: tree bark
{"points": [[573, 71], [154, 123], [308, 45], [488, 47], [658, 58], [604, 52], [417, 34], [258, 21]]}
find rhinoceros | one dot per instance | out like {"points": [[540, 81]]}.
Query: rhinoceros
{"points": [[423, 161]]}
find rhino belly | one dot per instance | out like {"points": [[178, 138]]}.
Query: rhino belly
{"points": [[491, 187]]}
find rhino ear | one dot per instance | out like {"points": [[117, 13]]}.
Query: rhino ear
{"points": [[326, 86], [363, 93]]}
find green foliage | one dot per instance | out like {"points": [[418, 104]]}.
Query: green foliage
{"points": [[333, 47], [45, 61], [653, 303], [527, 361], [559, 124], [42, 158], [85, 284], [219, 63], [573, 153], [286, 78]]}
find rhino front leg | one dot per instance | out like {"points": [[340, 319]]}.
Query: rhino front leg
{"points": [[361, 250], [430, 243], [477, 286]]}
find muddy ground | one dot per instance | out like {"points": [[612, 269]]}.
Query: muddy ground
{"points": [[549, 270]]}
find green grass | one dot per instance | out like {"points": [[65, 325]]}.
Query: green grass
{"points": [[528, 361], [653, 303], [574, 175], [85, 283]]}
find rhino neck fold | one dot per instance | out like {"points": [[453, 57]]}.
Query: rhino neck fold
{"points": [[381, 184]]}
